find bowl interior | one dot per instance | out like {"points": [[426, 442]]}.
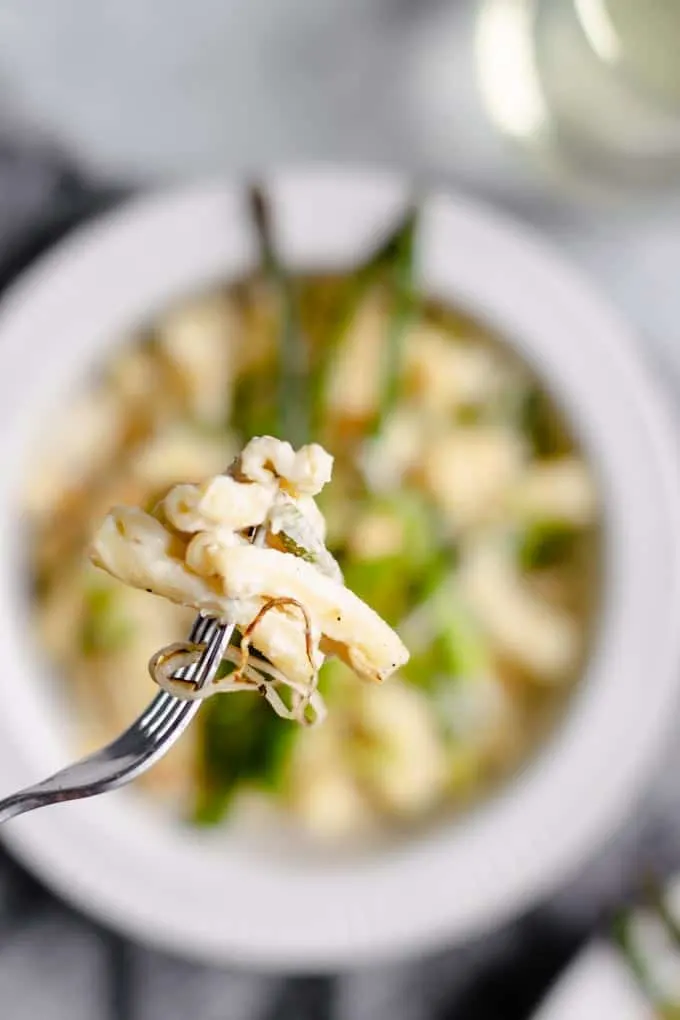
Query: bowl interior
{"points": [[119, 858]]}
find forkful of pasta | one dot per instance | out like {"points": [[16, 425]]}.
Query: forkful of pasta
{"points": [[246, 550]]}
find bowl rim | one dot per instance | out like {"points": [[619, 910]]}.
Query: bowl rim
{"points": [[239, 906]]}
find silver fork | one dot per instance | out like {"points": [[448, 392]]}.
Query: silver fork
{"points": [[142, 744]]}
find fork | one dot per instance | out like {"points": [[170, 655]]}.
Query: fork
{"points": [[141, 745]]}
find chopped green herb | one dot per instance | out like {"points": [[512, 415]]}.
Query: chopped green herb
{"points": [[291, 546]]}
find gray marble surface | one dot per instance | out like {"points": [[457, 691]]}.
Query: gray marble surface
{"points": [[142, 91]]}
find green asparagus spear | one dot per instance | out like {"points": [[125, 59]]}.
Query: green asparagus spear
{"points": [[402, 311], [242, 741], [293, 414], [389, 254]]}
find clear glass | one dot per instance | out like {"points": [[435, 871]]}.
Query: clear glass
{"points": [[592, 86]]}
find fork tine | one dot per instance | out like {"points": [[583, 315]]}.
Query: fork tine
{"points": [[156, 719], [199, 674], [153, 710], [166, 725], [212, 655]]}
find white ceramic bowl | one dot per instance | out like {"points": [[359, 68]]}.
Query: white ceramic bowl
{"points": [[220, 898]]}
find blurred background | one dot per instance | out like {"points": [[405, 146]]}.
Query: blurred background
{"points": [[565, 113]]}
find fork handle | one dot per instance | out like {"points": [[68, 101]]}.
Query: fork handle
{"points": [[26, 800], [60, 786], [146, 740]]}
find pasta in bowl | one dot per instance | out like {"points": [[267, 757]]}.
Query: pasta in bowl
{"points": [[458, 833], [461, 509]]}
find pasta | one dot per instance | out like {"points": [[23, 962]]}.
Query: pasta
{"points": [[461, 510], [284, 592]]}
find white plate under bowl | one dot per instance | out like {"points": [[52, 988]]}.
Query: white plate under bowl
{"points": [[597, 986], [223, 900]]}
